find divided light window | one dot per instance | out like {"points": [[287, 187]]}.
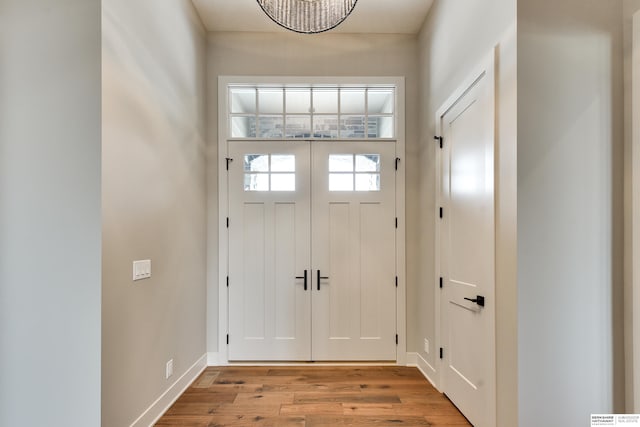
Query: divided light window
{"points": [[312, 113]]}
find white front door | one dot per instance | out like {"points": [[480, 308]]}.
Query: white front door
{"points": [[353, 217], [269, 247], [467, 252], [324, 211]]}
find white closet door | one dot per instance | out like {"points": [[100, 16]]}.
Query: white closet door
{"points": [[353, 255], [468, 252], [269, 246]]}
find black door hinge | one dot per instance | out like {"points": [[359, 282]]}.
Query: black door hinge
{"points": [[396, 339], [441, 283], [441, 353], [396, 281], [396, 222], [229, 160], [439, 139], [397, 161], [227, 339], [227, 222], [227, 281], [441, 212]]}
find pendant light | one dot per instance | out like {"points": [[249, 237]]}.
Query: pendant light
{"points": [[308, 16]]}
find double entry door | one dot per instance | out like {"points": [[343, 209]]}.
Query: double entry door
{"points": [[312, 251]]}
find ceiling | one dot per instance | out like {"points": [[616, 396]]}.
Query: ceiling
{"points": [[369, 16]]}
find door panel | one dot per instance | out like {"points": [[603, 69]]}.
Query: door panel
{"points": [[269, 246], [353, 237], [467, 256]]}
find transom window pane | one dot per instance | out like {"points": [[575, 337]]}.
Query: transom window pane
{"points": [[325, 126], [380, 101], [243, 101], [298, 127], [352, 101], [271, 126], [243, 127], [325, 101], [298, 101], [352, 126], [271, 101]]}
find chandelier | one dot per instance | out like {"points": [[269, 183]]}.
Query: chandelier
{"points": [[308, 16]]}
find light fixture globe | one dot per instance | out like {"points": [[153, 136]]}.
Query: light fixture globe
{"points": [[308, 16]]}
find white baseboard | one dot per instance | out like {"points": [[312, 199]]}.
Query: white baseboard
{"points": [[429, 372], [164, 402], [213, 359]]}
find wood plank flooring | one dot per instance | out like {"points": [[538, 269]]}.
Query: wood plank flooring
{"points": [[312, 396]]}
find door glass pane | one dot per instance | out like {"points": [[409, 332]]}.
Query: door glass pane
{"points": [[340, 182], [243, 100], [352, 126], [298, 101], [380, 127], [271, 101], [283, 182], [256, 163], [368, 163], [283, 163], [367, 182], [352, 101], [325, 126], [256, 182], [243, 127], [380, 101], [325, 101], [341, 163], [271, 127], [298, 127]]}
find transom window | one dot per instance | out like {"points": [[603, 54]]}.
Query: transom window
{"points": [[312, 112]]}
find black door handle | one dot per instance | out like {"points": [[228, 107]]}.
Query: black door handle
{"points": [[305, 279], [319, 278], [478, 300]]}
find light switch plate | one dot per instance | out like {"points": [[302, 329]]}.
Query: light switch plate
{"points": [[141, 269]]}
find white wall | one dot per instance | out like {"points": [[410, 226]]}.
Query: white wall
{"points": [[289, 54], [570, 162], [453, 41], [154, 194], [50, 213]]}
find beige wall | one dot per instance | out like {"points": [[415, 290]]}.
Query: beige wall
{"points": [[50, 213], [570, 210], [153, 200], [631, 9], [453, 41], [288, 54]]}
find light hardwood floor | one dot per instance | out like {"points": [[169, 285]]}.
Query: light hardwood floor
{"points": [[312, 396]]}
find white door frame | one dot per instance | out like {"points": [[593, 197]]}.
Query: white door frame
{"points": [[487, 66], [223, 194]]}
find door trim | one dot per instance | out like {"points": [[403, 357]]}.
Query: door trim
{"points": [[486, 68], [222, 316]]}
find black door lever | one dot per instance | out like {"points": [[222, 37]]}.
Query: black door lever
{"points": [[478, 300], [305, 279], [319, 278]]}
